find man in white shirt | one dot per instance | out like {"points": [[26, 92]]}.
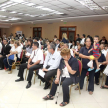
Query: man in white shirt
{"points": [[83, 39], [37, 40], [51, 64], [35, 62]]}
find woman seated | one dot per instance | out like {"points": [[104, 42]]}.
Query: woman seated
{"points": [[69, 72], [76, 52], [16, 49], [61, 46], [11, 43]]}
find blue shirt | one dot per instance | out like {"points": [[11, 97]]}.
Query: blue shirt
{"points": [[84, 51]]}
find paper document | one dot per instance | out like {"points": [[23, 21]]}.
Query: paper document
{"points": [[41, 73], [28, 54]]}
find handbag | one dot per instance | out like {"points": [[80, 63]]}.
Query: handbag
{"points": [[106, 71], [12, 57]]}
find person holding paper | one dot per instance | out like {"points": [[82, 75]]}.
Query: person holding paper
{"points": [[50, 66], [35, 62]]}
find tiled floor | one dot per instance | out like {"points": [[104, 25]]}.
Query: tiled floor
{"points": [[15, 95]]}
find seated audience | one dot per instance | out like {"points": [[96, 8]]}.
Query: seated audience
{"points": [[76, 52], [28, 51], [82, 42], [73, 46], [35, 62], [50, 66], [20, 43], [102, 47], [11, 43], [5, 51], [70, 43], [57, 44], [103, 40], [36, 39], [16, 49], [69, 72], [102, 67], [1, 46], [78, 39]]}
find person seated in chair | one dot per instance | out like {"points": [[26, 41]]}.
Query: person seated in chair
{"points": [[16, 49], [50, 66], [68, 72], [35, 62], [5, 51]]}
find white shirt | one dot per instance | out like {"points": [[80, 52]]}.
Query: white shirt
{"points": [[39, 44], [0, 47], [53, 60], [65, 73], [11, 45], [104, 52], [69, 45], [21, 45], [82, 41], [18, 49], [37, 56], [72, 54], [56, 47]]}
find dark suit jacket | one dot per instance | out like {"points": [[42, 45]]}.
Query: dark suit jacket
{"points": [[6, 50]]}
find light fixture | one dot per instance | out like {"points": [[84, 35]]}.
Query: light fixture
{"points": [[3, 16], [6, 3], [13, 12], [14, 18], [18, 1], [3, 10], [105, 7], [20, 13], [4, 20], [39, 7], [61, 20], [90, 4], [11, 24], [27, 14]]}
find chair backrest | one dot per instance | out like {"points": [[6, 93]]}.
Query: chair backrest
{"points": [[80, 66]]}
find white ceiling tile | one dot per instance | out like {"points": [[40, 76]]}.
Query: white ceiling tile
{"points": [[55, 2], [37, 1]]}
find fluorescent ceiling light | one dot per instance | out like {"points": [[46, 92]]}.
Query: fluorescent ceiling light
{"points": [[3, 16], [4, 20], [39, 7], [2, 10], [105, 7], [20, 13], [14, 18], [57, 12], [30, 4], [18, 1], [90, 4], [13, 12], [9, 5], [6, 3], [27, 14]]}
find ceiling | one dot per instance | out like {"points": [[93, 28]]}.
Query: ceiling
{"points": [[39, 11]]}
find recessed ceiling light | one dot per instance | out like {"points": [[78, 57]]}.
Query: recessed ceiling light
{"points": [[61, 20], [11, 24]]}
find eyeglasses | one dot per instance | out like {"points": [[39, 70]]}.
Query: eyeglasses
{"points": [[88, 41]]}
